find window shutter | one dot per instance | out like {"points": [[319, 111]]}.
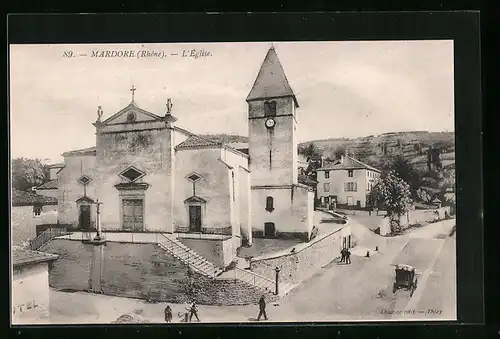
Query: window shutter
{"points": [[346, 187], [355, 186]]}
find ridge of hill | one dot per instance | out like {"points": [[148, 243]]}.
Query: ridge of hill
{"points": [[375, 149]]}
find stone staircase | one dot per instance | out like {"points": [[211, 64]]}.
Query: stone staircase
{"points": [[188, 256], [241, 272]]}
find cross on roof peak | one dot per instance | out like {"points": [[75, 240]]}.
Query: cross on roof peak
{"points": [[133, 89]]}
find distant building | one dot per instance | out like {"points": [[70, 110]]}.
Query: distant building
{"points": [[30, 286], [49, 188], [346, 181], [28, 210]]}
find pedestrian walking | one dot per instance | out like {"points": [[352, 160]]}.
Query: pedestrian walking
{"points": [[347, 256], [193, 310], [262, 308], [168, 314], [342, 253]]}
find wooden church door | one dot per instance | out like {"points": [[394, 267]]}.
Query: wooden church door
{"points": [[195, 218]]}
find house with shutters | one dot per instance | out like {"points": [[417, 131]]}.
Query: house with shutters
{"points": [[346, 181]]}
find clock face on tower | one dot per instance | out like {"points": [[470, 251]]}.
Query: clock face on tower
{"points": [[270, 123]]}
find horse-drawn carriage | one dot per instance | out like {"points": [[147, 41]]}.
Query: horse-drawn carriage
{"points": [[406, 278]]}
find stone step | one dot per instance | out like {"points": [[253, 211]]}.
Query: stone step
{"points": [[190, 257]]}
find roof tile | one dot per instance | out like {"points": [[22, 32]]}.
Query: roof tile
{"points": [[52, 184], [347, 164], [271, 80], [21, 198], [197, 141], [21, 257]]}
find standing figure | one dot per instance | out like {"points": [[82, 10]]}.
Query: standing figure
{"points": [[168, 314], [347, 256], [193, 310], [343, 255], [262, 308]]}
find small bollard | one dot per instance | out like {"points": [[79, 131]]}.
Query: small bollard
{"points": [[376, 248], [367, 254]]}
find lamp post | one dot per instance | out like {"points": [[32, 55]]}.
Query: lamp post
{"points": [[98, 221], [277, 270]]}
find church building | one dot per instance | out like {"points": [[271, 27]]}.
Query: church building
{"points": [[153, 176]]}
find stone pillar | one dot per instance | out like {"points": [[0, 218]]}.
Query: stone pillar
{"points": [[96, 270], [98, 236]]}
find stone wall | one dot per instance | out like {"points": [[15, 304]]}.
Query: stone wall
{"points": [[69, 190], [71, 271], [280, 140], [226, 292], [307, 259], [291, 214], [143, 271], [207, 248], [213, 187], [147, 150], [30, 294], [23, 222]]}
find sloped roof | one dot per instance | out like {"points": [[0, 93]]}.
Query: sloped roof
{"points": [[131, 106], [57, 165], [271, 81], [305, 180], [21, 198], [195, 199], [21, 257], [348, 164], [197, 141], [83, 151], [49, 185]]}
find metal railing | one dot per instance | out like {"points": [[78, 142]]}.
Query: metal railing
{"points": [[191, 258], [254, 279], [46, 236]]}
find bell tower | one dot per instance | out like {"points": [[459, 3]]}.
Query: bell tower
{"points": [[272, 124]]}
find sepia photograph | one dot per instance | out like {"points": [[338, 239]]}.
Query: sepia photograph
{"points": [[241, 182]]}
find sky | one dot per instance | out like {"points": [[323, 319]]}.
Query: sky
{"points": [[344, 89]]}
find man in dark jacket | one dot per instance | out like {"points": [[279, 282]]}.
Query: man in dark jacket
{"points": [[342, 259], [168, 314], [193, 311], [262, 308], [347, 256]]}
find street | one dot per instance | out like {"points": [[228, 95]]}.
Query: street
{"points": [[361, 291]]}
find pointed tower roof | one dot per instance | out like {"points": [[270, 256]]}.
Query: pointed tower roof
{"points": [[271, 81]]}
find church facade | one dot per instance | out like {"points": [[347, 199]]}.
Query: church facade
{"points": [[152, 176]]}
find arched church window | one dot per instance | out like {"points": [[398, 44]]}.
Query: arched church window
{"points": [[270, 108], [269, 204]]}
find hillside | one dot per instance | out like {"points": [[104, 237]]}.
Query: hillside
{"points": [[375, 149]]}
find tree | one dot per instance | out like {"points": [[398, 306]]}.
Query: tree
{"points": [[392, 194], [310, 150], [417, 148], [27, 173], [434, 159], [405, 170], [339, 151]]}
